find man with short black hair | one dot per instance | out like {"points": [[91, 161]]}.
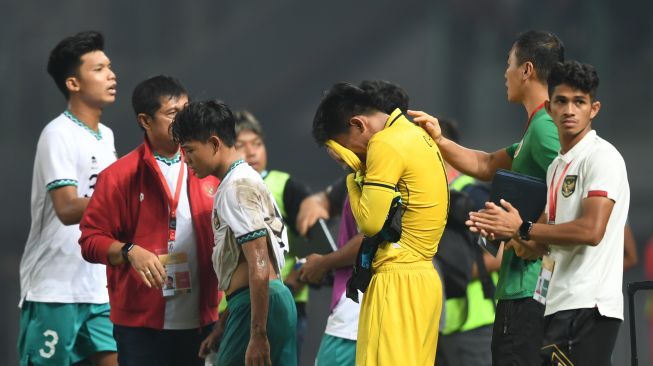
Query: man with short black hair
{"points": [[288, 193], [519, 318], [150, 222], [581, 230], [64, 301], [338, 345], [250, 241], [395, 161]]}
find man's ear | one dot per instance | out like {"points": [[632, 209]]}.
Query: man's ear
{"points": [[358, 122], [529, 70], [215, 142], [596, 106], [144, 121], [547, 106], [72, 84]]}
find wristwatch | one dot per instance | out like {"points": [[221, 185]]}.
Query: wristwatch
{"points": [[525, 230], [125, 250]]}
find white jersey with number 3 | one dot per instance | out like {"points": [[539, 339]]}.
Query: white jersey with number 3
{"points": [[68, 153]]}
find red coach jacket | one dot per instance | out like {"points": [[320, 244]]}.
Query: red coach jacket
{"points": [[129, 204]]}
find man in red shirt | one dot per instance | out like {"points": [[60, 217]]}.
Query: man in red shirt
{"points": [[150, 219]]}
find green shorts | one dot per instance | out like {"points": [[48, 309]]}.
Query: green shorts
{"points": [[336, 351], [62, 334], [281, 327]]}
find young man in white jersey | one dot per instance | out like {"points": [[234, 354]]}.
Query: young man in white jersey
{"points": [[158, 230], [580, 234], [250, 241], [64, 301]]}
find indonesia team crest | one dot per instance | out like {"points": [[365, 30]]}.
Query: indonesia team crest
{"points": [[209, 189], [569, 185]]}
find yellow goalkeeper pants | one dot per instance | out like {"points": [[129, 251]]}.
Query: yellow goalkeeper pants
{"points": [[400, 315]]}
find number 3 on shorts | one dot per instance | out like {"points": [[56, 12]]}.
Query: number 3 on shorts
{"points": [[50, 344]]}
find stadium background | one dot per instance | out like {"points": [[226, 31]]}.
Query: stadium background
{"points": [[275, 58]]}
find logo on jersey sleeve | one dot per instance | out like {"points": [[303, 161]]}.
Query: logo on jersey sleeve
{"points": [[518, 149], [569, 185]]}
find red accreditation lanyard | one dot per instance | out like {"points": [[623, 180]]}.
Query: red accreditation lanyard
{"points": [[530, 118], [553, 193], [172, 201]]}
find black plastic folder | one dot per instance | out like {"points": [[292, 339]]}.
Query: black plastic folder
{"points": [[527, 194], [319, 239]]}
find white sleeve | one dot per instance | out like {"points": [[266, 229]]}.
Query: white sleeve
{"points": [[58, 160], [604, 174], [244, 212]]}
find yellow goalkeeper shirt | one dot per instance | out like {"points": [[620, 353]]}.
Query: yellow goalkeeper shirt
{"points": [[402, 155]]}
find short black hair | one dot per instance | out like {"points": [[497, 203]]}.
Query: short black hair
{"points": [[575, 74], [339, 104], [245, 121], [201, 120], [66, 57], [146, 97], [543, 49], [449, 129], [386, 95]]}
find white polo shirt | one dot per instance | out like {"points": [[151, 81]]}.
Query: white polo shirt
{"points": [[586, 276]]}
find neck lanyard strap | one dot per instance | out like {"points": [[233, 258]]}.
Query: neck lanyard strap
{"points": [[172, 201], [530, 118]]}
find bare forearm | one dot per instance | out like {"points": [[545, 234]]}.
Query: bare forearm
{"points": [[71, 212], [577, 232], [259, 288], [476, 163], [115, 253], [630, 248], [345, 256], [258, 270]]}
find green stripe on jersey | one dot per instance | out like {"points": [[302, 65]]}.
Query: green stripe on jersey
{"points": [[60, 183], [251, 236], [174, 160], [97, 135]]}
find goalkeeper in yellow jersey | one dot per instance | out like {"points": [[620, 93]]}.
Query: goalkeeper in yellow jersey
{"points": [[399, 197]]}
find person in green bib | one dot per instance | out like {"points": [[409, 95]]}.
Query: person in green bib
{"points": [[466, 336], [288, 194], [518, 327]]}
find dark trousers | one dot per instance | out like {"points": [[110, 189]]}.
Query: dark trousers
{"points": [[579, 337], [145, 346], [301, 327], [517, 333], [469, 348]]}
